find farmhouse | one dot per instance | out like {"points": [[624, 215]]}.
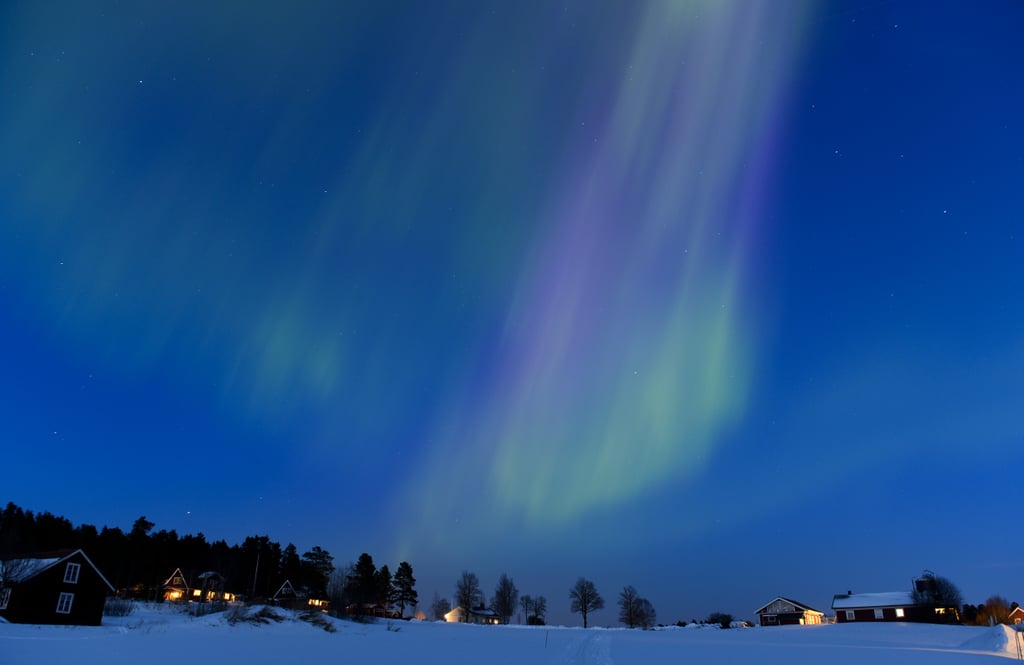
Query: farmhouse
{"points": [[923, 604], [62, 587], [887, 606], [787, 612], [480, 615]]}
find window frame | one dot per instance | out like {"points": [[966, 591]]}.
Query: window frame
{"points": [[851, 615], [900, 614], [72, 572], [64, 602], [879, 614]]}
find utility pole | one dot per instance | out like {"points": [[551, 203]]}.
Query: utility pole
{"points": [[255, 574]]}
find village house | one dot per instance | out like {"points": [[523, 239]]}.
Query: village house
{"points": [[1016, 616], [478, 615], [787, 612], [885, 606], [288, 596], [176, 587], [62, 587], [208, 587], [892, 605]]}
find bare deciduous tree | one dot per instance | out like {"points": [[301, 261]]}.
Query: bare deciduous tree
{"points": [[634, 611], [938, 592], [467, 591], [12, 570], [994, 610], [628, 599], [585, 598], [645, 614], [439, 607]]}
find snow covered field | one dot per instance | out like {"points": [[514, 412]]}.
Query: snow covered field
{"points": [[159, 635]]}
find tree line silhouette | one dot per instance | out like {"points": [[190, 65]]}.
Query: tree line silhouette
{"points": [[138, 562]]}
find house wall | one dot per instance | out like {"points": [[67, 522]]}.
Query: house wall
{"points": [[789, 619], [912, 614], [35, 600]]}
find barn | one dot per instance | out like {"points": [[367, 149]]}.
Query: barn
{"points": [[62, 587]]}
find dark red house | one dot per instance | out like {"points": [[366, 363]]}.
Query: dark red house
{"points": [[54, 587], [887, 606]]}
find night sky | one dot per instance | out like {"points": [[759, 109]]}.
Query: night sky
{"points": [[723, 300]]}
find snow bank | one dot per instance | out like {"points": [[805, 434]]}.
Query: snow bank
{"points": [[1002, 640], [159, 635]]}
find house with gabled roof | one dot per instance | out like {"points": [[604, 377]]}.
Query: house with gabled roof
{"points": [[63, 587], [208, 586], [176, 587], [883, 606], [288, 596], [896, 605], [787, 612], [1016, 616], [479, 614]]}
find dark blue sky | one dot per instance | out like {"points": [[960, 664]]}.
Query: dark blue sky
{"points": [[720, 300]]}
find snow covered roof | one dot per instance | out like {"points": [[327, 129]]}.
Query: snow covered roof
{"points": [[177, 573], [796, 604], [33, 564], [19, 570], [484, 612], [865, 600]]}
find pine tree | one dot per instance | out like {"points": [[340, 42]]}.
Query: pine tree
{"points": [[291, 565], [384, 588], [505, 598], [405, 594], [320, 565], [364, 590]]}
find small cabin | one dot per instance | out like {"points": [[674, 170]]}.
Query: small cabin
{"points": [[176, 587], [64, 588]]}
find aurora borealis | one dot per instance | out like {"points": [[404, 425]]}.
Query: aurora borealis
{"points": [[540, 288]]}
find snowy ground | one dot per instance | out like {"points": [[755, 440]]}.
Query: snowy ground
{"points": [[159, 635]]}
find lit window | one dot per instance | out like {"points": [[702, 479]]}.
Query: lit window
{"points": [[5, 596], [899, 612], [71, 573], [878, 613], [64, 603], [850, 616]]}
